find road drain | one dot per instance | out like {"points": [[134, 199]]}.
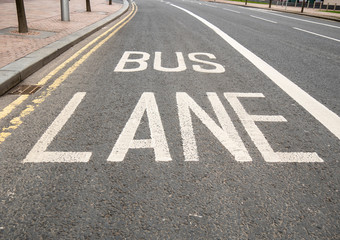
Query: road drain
{"points": [[24, 90]]}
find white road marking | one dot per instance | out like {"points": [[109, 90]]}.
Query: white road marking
{"points": [[210, 5], [195, 215], [38, 154], [268, 118], [325, 116], [147, 102], [257, 136], [257, 9], [125, 59], [303, 20], [142, 63], [157, 64], [218, 67], [263, 19], [334, 39], [226, 134], [231, 10]]}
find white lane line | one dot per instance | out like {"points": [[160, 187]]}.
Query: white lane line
{"points": [[325, 116], [263, 19], [210, 5], [256, 9], [230, 10], [303, 20], [317, 34]]}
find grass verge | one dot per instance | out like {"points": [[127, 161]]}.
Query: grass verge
{"points": [[331, 11]]}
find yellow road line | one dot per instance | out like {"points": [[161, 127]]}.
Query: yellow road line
{"points": [[7, 110], [17, 121], [51, 74]]}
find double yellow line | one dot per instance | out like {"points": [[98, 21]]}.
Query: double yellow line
{"points": [[92, 47]]}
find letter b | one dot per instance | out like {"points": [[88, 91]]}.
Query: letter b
{"points": [[140, 61]]}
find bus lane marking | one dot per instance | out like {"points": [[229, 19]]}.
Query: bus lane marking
{"points": [[223, 130], [141, 62]]}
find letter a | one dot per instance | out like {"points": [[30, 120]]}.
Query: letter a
{"points": [[158, 142]]}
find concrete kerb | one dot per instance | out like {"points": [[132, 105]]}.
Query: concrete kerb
{"points": [[286, 11], [14, 73]]}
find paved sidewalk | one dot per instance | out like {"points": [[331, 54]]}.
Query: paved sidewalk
{"points": [[297, 10], [44, 15], [48, 36]]}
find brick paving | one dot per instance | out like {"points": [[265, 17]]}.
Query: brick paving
{"points": [[44, 15]]}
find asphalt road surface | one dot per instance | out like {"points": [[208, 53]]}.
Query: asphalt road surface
{"points": [[181, 120]]}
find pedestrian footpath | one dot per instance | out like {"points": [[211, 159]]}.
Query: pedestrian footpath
{"points": [[23, 53], [280, 6], [45, 25]]}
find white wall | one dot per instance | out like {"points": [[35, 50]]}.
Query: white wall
{"points": [[332, 2]]}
